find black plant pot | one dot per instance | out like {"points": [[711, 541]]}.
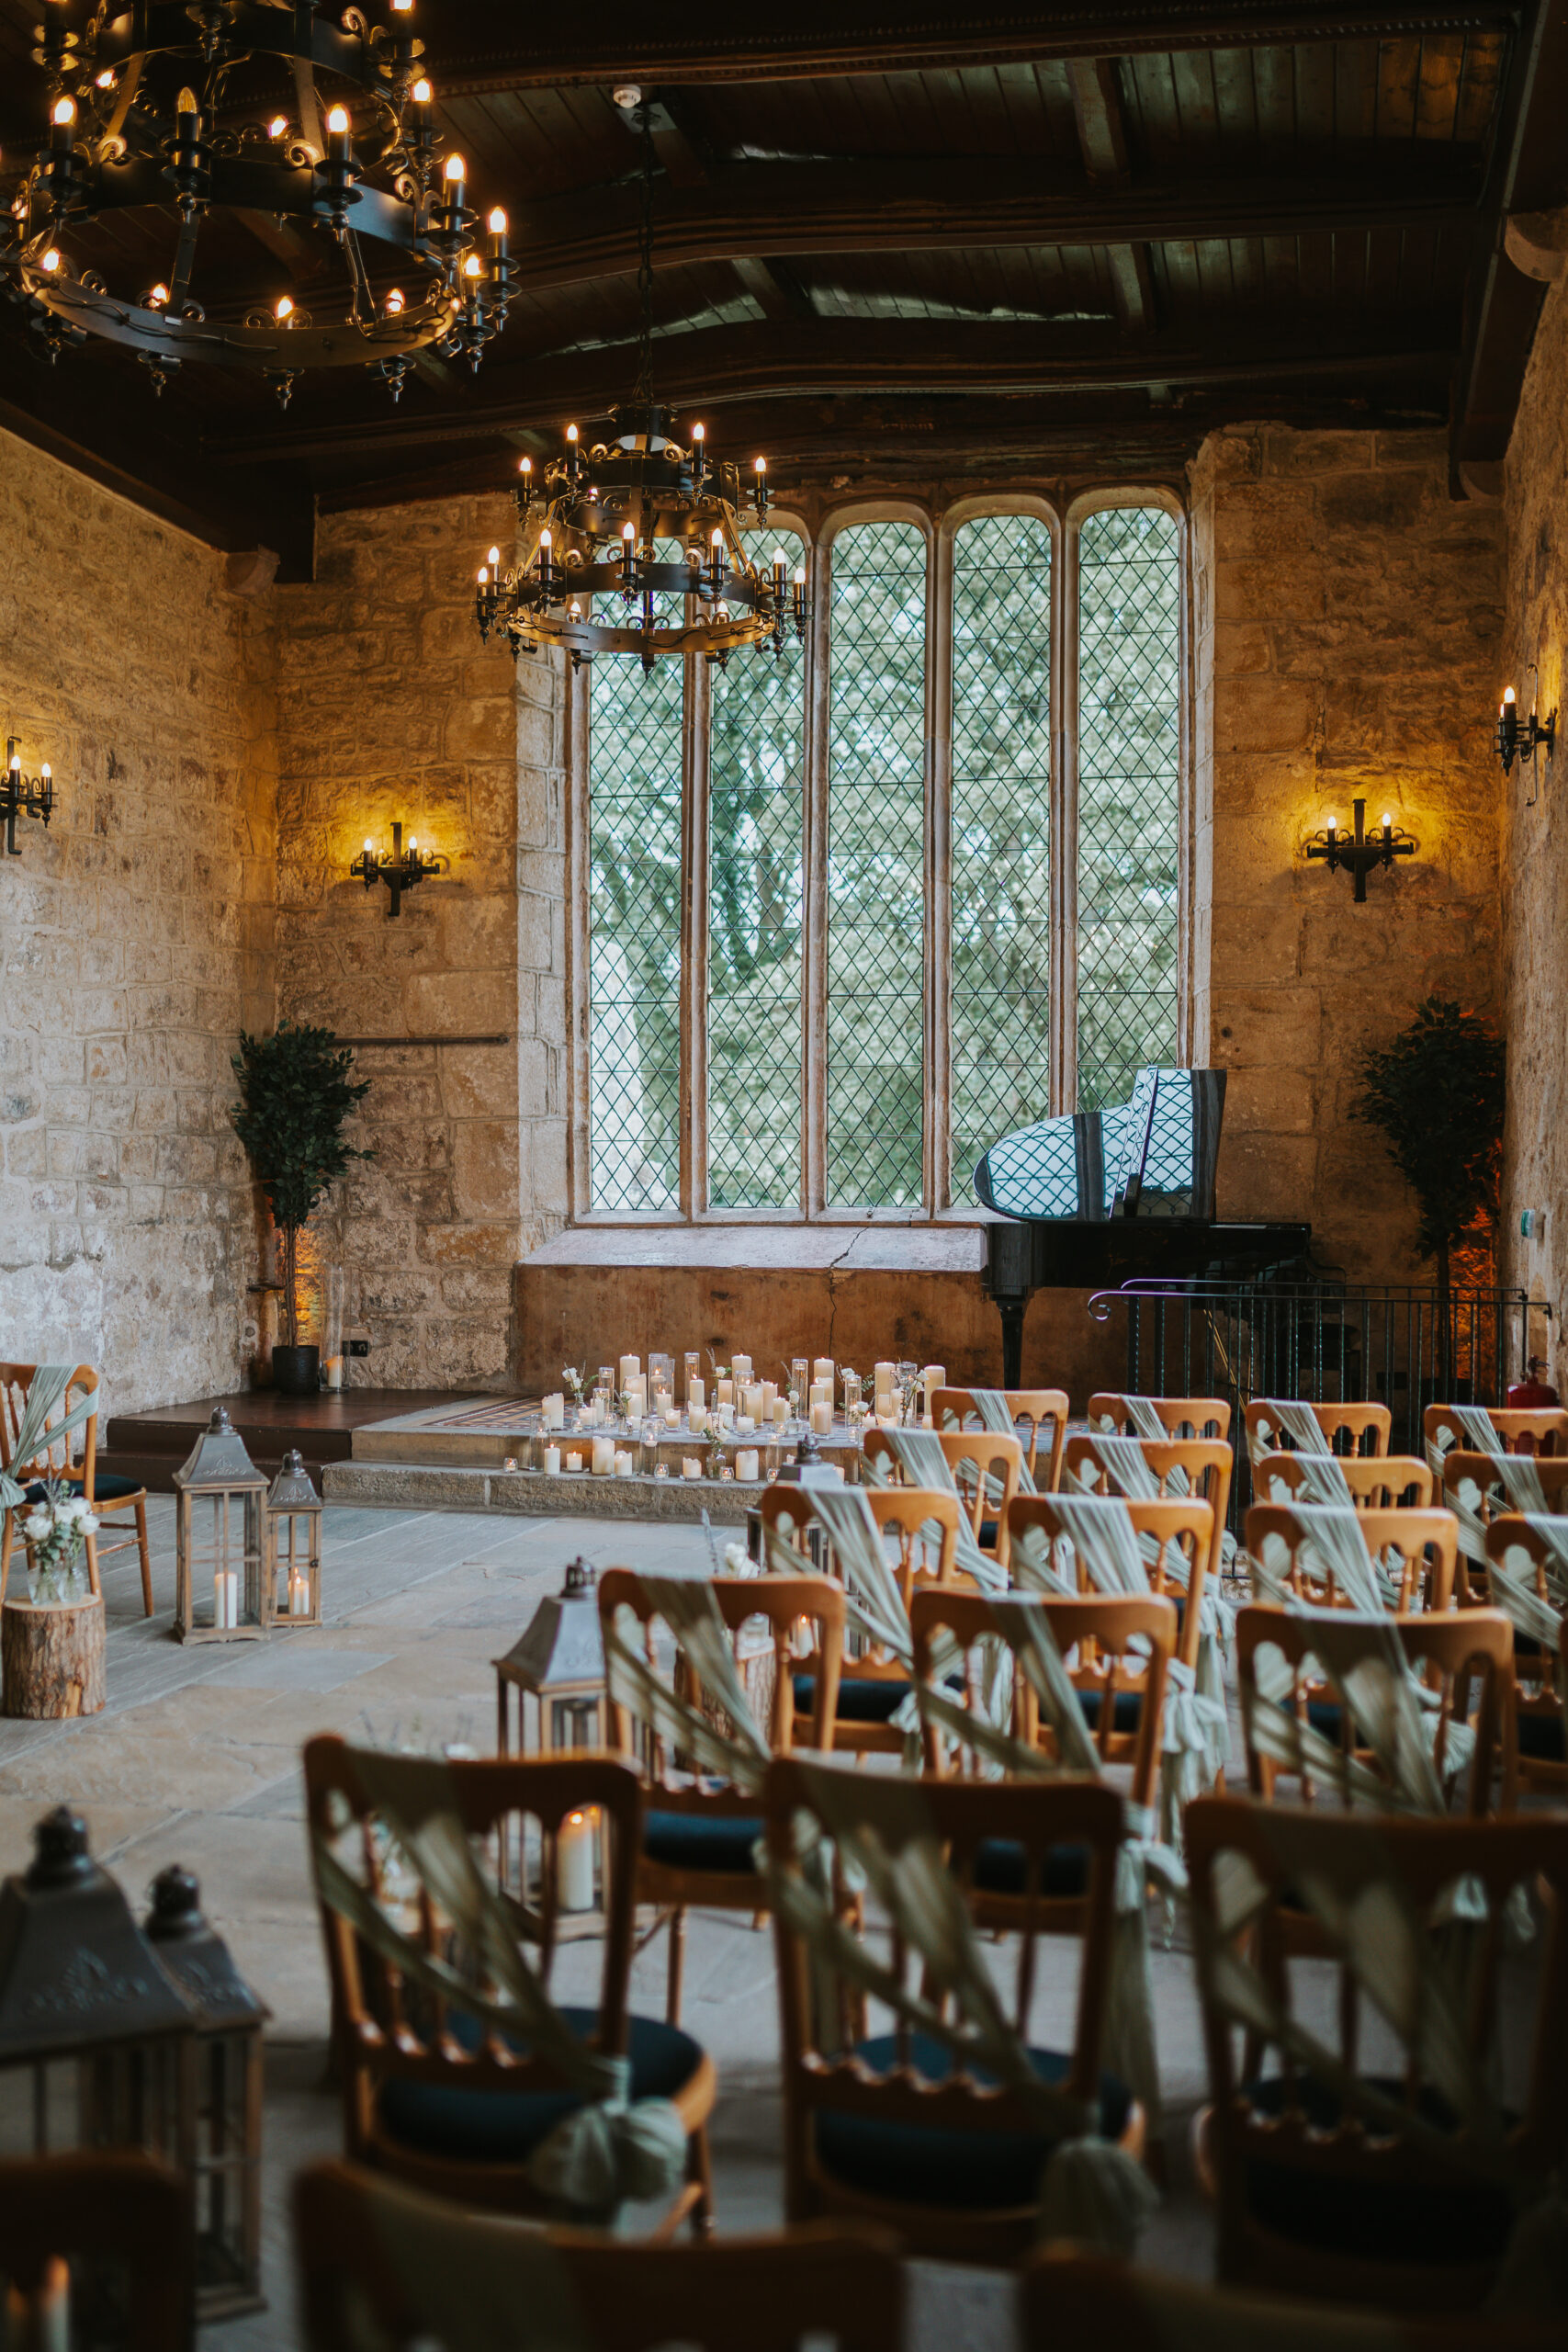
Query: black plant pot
{"points": [[297, 1372]]}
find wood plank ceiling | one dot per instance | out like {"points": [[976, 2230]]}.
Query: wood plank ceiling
{"points": [[900, 245]]}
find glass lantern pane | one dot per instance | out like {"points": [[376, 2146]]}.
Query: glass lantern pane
{"points": [[876, 868], [1001, 834], [1129, 786]]}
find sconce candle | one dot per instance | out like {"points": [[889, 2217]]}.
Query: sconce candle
{"points": [[400, 872], [1521, 739], [23, 796], [1356, 853]]}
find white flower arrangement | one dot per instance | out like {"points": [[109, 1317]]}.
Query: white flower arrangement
{"points": [[54, 1530]]}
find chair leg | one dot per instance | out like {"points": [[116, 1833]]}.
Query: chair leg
{"points": [[146, 1557], [699, 2169], [6, 1533], [95, 1582], [677, 1961]]}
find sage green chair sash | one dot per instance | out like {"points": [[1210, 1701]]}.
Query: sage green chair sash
{"points": [[48, 1387]]}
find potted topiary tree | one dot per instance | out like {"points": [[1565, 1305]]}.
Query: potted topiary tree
{"points": [[1436, 1092], [295, 1098]]}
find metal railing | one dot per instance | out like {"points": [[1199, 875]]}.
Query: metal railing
{"points": [[1324, 1343]]}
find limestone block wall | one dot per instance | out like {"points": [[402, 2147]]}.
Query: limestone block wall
{"points": [[1348, 619], [1535, 839], [135, 936], [390, 707]]}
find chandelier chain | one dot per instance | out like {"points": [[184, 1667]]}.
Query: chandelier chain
{"points": [[645, 261]]}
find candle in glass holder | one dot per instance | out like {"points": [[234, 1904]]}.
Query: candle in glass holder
{"points": [[696, 1394], [822, 1368], [724, 1392], [661, 1369], [726, 1416], [631, 1367], [699, 1420], [822, 1418], [552, 1460], [694, 1390], [781, 1412], [744, 1423], [574, 1863], [746, 1465], [741, 1367], [604, 1457]]}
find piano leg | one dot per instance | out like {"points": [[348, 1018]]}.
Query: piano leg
{"points": [[1011, 1311]]}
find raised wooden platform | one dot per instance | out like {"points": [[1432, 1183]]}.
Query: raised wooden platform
{"points": [[149, 1447]]}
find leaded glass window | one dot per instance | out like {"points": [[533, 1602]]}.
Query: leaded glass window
{"points": [[756, 881], [877, 821], [1000, 832], [1129, 771]]}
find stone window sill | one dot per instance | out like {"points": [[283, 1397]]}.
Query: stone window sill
{"points": [[934, 1246]]}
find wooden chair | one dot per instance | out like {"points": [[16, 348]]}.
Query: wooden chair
{"points": [[1121, 1691], [1036, 1408], [1486, 1500], [1183, 1416], [104, 1489], [891, 2128], [985, 1466], [429, 2094], [1350, 1429], [1313, 2200], [1205, 1463], [126, 2212], [1183, 1527], [1543, 1429], [1079, 2298], [699, 1836], [1376, 1481], [873, 1681], [1536, 1752], [427, 2273], [1420, 1547], [1450, 1652]]}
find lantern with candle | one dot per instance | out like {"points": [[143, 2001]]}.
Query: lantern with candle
{"points": [[292, 1585], [220, 1539], [559, 1665]]}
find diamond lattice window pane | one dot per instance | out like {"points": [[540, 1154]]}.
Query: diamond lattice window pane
{"points": [[1001, 834], [755, 879], [1129, 771], [634, 821], [876, 868]]}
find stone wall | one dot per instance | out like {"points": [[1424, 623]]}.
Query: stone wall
{"points": [[1346, 623], [1535, 840], [135, 937], [390, 707]]}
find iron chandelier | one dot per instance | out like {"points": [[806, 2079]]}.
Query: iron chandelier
{"points": [[252, 109], [640, 520]]}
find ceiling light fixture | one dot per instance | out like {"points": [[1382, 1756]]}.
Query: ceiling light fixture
{"points": [[639, 523], [169, 106]]}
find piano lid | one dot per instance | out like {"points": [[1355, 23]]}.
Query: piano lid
{"points": [[1153, 1157]]}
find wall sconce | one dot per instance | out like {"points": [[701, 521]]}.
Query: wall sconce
{"points": [[1359, 852], [1522, 742], [401, 871], [23, 796]]}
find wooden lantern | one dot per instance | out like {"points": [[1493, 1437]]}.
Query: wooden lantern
{"points": [[220, 1541], [292, 1586], [559, 1664], [227, 2084]]}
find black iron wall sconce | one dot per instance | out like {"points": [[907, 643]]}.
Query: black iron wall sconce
{"points": [[1521, 739], [1358, 853], [23, 796], [401, 871]]}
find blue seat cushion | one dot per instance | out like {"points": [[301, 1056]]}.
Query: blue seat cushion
{"points": [[1541, 1737], [1350, 2213], [502, 2127], [1126, 1709], [999, 1869], [917, 2164], [107, 1489], [702, 1841], [863, 1698]]}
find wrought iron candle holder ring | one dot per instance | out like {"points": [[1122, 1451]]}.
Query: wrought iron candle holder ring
{"points": [[401, 871], [23, 796], [1522, 739], [1358, 853]]}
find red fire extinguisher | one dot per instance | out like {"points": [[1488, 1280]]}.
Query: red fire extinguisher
{"points": [[1530, 1394]]}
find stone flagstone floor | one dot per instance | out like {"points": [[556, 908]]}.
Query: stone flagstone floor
{"points": [[194, 1759]]}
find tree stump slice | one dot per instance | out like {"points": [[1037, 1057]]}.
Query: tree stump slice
{"points": [[52, 1661]]}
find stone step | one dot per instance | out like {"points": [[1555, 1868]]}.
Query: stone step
{"points": [[407, 1485]]}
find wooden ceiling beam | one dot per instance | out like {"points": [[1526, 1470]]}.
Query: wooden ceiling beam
{"points": [[717, 365], [771, 211], [816, 39], [1108, 163]]}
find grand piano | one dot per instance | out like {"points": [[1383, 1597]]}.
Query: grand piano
{"points": [[1105, 1197]]}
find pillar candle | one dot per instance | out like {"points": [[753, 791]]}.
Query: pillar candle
{"points": [[623, 1466], [696, 1394], [754, 1400], [334, 1369], [690, 1466], [769, 1398], [631, 1367], [603, 1456], [671, 1417], [555, 1411], [741, 1367], [745, 1422], [822, 1418], [822, 1369], [225, 1597], [699, 1420], [781, 1412], [745, 1463], [298, 1601], [725, 1415], [724, 1392], [933, 1377], [574, 1863], [574, 1461], [821, 1392], [552, 1460]]}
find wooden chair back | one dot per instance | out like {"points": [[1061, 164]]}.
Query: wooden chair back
{"points": [[1350, 1429], [827, 2068], [1205, 1464], [1537, 1724], [914, 1515], [1183, 1527], [985, 1466], [1469, 1480], [123, 2209], [1183, 1416], [389, 2030], [1543, 1429], [1376, 1481], [368, 2247], [1260, 2140], [1121, 1646], [1420, 1548], [73, 1457], [1450, 1652], [1035, 1409]]}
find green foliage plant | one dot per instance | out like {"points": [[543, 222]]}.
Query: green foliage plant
{"points": [[1435, 1093], [295, 1096]]}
